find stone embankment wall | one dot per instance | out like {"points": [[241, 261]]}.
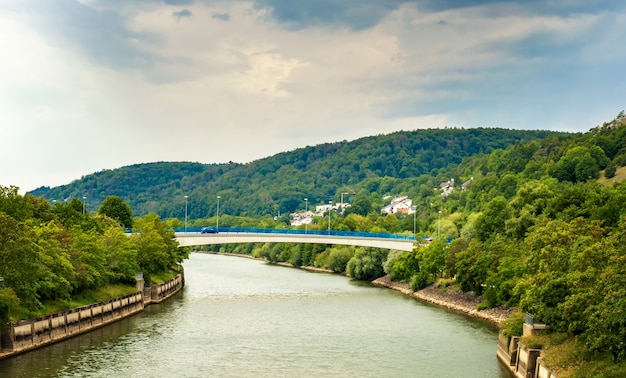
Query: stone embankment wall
{"points": [[34, 333], [524, 362]]}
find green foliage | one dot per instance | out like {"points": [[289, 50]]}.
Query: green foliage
{"points": [[338, 259], [19, 260], [114, 207], [420, 280], [52, 256], [9, 302], [610, 170], [493, 219], [580, 164], [157, 250], [433, 257], [366, 264], [400, 266]]}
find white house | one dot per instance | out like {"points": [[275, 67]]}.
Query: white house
{"points": [[399, 205], [301, 218], [446, 187], [466, 183]]}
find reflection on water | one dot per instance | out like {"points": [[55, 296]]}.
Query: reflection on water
{"points": [[243, 318]]}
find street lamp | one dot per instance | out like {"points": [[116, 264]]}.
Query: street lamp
{"points": [[217, 222], [438, 223], [330, 207], [306, 210], [84, 205], [186, 214], [414, 208]]}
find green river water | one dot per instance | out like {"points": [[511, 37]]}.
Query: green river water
{"points": [[238, 317]]}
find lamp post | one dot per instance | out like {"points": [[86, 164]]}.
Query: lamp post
{"points": [[414, 208], [306, 210], [217, 222], [186, 214], [438, 223], [84, 205], [330, 207]]}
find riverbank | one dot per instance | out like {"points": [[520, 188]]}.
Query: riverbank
{"points": [[26, 335], [449, 297]]}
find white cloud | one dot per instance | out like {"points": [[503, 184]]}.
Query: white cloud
{"points": [[240, 86]]}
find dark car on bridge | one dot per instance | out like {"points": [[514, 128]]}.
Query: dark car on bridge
{"points": [[208, 230]]}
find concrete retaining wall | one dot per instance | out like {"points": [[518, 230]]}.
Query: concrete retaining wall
{"points": [[524, 362], [507, 350], [30, 334]]}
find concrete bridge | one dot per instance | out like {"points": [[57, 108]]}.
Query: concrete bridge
{"points": [[193, 237]]}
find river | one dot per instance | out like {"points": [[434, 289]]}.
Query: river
{"points": [[238, 317]]}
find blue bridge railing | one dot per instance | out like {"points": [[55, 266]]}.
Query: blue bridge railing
{"points": [[284, 231]]}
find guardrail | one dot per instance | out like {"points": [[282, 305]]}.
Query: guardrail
{"points": [[283, 231]]}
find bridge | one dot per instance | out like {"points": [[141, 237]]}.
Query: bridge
{"points": [[193, 237]]}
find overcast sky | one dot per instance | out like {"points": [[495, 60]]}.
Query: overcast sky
{"points": [[87, 85]]}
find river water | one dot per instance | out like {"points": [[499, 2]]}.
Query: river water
{"points": [[238, 317]]}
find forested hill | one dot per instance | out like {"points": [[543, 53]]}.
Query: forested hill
{"points": [[278, 184]]}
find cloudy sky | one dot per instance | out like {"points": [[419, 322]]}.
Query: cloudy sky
{"points": [[87, 85]]}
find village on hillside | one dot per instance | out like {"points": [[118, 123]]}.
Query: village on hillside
{"points": [[401, 205]]}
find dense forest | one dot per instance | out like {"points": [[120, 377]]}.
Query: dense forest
{"points": [[539, 224], [278, 184]]}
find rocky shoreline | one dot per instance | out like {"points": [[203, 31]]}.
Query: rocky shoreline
{"points": [[451, 298]]}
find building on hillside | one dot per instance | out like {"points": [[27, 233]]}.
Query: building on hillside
{"points": [[466, 184], [298, 219], [321, 209], [341, 206], [446, 187], [399, 205]]}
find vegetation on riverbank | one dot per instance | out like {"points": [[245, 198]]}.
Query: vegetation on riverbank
{"points": [[56, 257]]}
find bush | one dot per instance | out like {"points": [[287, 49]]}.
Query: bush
{"points": [[513, 325], [366, 264], [420, 281], [610, 170]]}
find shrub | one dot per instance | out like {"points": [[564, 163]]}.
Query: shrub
{"points": [[420, 281], [513, 325]]}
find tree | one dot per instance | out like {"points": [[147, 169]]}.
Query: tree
{"points": [[433, 257], [120, 256], [114, 207], [361, 206], [400, 265], [57, 271], [366, 264], [157, 250], [338, 258], [611, 170], [493, 219], [89, 260], [579, 164], [9, 302], [19, 260], [562, 262]]}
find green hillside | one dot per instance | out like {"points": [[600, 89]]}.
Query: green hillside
{"points": [[278, 184]]}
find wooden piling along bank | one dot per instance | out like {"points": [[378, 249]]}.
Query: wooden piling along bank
{"points": [[26, 335]]}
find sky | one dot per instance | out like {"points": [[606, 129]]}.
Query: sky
{"points": [[89, 85]]}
